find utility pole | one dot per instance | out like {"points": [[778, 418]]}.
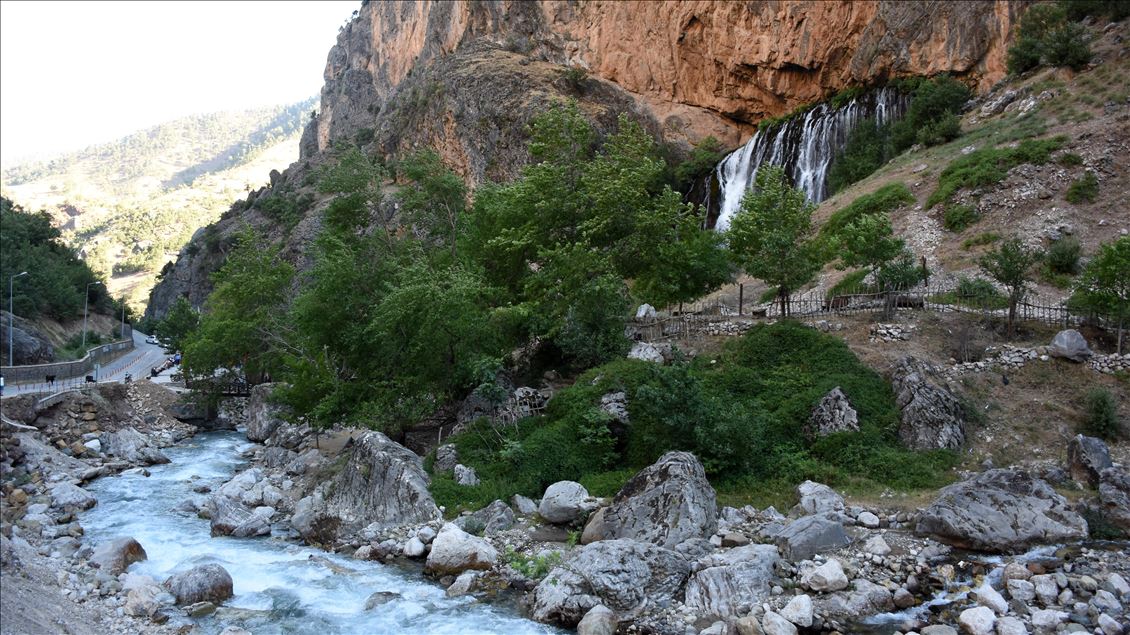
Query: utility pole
{"points": [[85, 309]]}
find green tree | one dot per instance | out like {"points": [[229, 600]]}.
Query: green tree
{"points": [[1045, 36], [869, 242], [1104, 287], [1010, 264], [242, 320], [181, 320], [771, 236], [435, 199]]}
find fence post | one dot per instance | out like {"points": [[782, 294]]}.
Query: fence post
{"points": [[741, 297]]}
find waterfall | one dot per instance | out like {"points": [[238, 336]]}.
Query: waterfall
{"points": [[804, 146]]}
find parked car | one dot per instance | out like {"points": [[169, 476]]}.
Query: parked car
{"points": [[152, 339]]}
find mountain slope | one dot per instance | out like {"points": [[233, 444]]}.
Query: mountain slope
{"points": [[128, 205]]}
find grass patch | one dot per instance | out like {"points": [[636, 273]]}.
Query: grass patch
{"points": [[851, 283], [1070, 160], [883, 200], [1084, 189], [975, 293], [958, 217], [985, 238], [989, 166], [743, 415]]}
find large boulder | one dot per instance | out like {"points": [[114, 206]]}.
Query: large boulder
{"points": [[263, 417], [624, 575], [833, 414], [66, 494], [565, 502], [1070, 344], [447, 457], [1087, 457], [28, 345], [1114, 494], [382, 483], [456, 551], [646, 351], [817, 498], [230, 517], [862, 599], [932, 417], [808, 536], [117, 555], [130, 445], [491, 519], [204, 583], [665, 504], [1000, 511], [729, 583]]}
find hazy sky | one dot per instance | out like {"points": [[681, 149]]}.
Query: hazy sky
{"points": [[77, 73]]}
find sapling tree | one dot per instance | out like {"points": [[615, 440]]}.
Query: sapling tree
{"points": [[1010, 264]]}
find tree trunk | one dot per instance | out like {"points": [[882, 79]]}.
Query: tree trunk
{"points": [[1011, 317]]}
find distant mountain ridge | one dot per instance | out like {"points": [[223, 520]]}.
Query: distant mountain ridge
{"points": [[129, 205]]}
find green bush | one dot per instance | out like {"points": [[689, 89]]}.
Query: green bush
{"points": [[1070, 160], [1101, 415], [882, 201], [977, 293], [958, 217], [868, 148], [940, 131], [986, 238], [1063, 256], [1068, 45], [1076, 10], [1084, 189], [1046, 37], [989, 166]]}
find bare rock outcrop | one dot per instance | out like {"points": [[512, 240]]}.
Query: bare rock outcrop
{"points": [[665, 504], [932, 417]]}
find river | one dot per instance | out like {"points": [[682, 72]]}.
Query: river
{"points": [[280, 587]]}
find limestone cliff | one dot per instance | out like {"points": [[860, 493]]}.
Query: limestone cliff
{"points": [[465, 78]]}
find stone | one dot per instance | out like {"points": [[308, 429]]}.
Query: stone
{"points": [[725, 582], [1109, 625], [977, 621], [868, 520], [626, 576], [666, 503], [995, 103], [466, 476], [426, 534], [988, 597], [1087, 457], [749, 625], [645, 312], [1114, 495], [131, 446], [1011, 626], [903, 599], [447, 457], [827, 577], [565, 502], [414, 548], [143, 601], [381, 483], [263, 417], [1117, 585], [833, 414], [1105, 602], [230, 517], [117, 555], [491, 519], [1047, 591], [931, 417], [600, 620], [204, 583], [1000, 511], [463, 584], [1021, 590], [380, 598], [808, 536], [615, 405], [799, 611], [1071, 345], [817, 498], [862, 599], [1048, 619], [646, 351], [455, 551], [939, 629], [235, 630], [594, 528], [775, 624], [67, 495], [877, 546], [523, 505]]}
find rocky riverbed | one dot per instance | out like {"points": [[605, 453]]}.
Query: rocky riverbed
{"points": [[230, 534]]}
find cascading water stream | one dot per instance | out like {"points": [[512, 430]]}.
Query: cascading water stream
{"points": [[804, 146], [280, 587]]}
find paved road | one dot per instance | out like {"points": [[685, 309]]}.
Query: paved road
{"points": [[136, 362]]}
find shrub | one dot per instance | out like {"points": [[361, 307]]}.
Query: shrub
{"points": [[947, 128], [533, 567], [868, 148], [575, 77], [958, 217], [1045, 37], [1070, 160], [882, 201], [365, 136], [986, 238], [1084, 189], [1078, 9], [1101, 415], [931, 116], [1063, 256], [1068, 45]]}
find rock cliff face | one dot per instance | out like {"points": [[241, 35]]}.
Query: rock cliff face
{"points": [[702, 67], [465, 78]]}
